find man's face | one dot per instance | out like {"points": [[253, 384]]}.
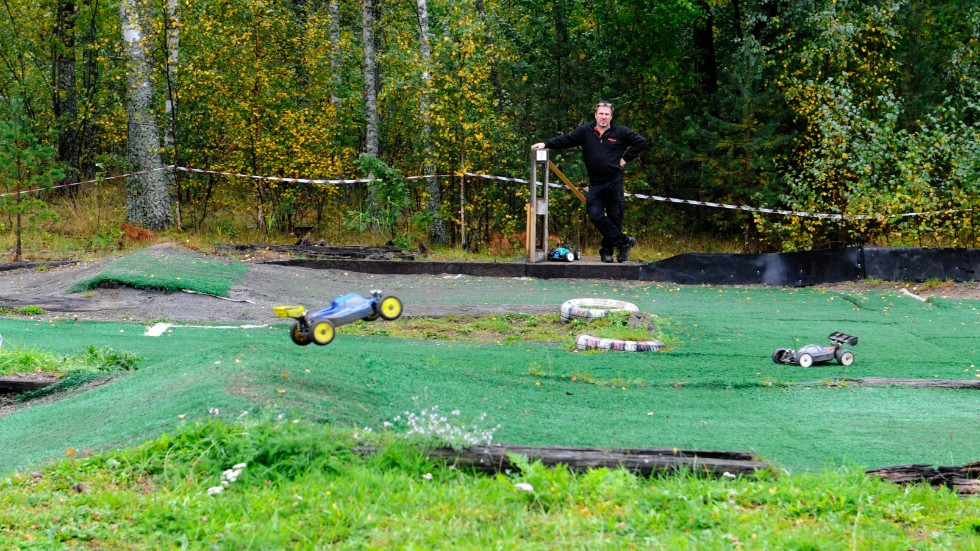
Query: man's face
{"points": [[603, 116]]}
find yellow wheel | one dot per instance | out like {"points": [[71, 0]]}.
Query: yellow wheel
{"points": [[298, 335], [323, 332], [390, 308]]}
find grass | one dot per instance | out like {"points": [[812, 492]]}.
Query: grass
{"points": [[34, 360], [286, 483], [71, 371], [512, 328]]}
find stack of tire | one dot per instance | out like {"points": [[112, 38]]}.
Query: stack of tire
{"points": [[592, 308]]}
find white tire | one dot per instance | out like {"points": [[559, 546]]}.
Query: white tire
{"points": [[587, 308], [588, 342]]}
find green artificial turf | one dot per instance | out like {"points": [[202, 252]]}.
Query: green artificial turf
{"points": [[717, 388], [168, 271]]}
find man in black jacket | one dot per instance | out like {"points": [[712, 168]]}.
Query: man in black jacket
{"points": [[605, 149]]}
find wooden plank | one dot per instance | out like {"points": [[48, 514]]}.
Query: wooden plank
{"points": [[645, 462], [16, 385], [326, 251], [885, 381], [964, 479], [567, 182]]}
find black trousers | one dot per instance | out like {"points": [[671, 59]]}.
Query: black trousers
{"points": [[605, 206]]}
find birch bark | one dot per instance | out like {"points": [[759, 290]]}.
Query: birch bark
{"points": [[148, 201], [437, 227]]}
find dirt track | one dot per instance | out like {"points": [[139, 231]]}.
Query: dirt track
{"points": [[250, 301], [267, 285]]}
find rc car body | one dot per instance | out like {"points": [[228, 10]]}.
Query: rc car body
{"points": [[320, 326], [819, 353], [565, 253]]}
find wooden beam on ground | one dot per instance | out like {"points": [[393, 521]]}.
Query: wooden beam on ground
{"points": [[567, 182], [885, 381], [964, 479], [644, 461], [16, 385], [326, 251]]}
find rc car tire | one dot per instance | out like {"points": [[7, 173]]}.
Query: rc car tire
{"points": [[390, 308], [846, 358], [805, 360], [777, 355], [570, 256], [588, 342], [587, 308], [298, 337], [373, 315], [323, 332]]}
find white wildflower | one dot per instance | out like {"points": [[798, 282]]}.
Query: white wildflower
{"points": [[524, 487], [215, 490]]}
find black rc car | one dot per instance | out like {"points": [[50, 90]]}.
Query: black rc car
{"points": [[819, 353]]}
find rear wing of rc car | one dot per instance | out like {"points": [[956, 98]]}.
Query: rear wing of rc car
{"points": [[842, 338]]}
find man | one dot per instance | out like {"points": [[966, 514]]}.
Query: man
{"points": [[605, 149]]}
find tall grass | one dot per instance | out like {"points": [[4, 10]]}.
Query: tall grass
{"points": [[285, 483]]}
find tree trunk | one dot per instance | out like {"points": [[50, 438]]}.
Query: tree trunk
{"points": [[370, 82], [66, 94], [437, 227], [148, 201], [706, 63], [170, 142], [335, 68]]}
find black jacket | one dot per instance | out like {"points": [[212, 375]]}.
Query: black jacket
{"points": [[601, 154]]}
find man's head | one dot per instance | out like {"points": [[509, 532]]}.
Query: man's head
{"points": [[603, 114]]}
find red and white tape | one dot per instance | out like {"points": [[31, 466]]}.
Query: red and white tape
{"points": [[709, 204]]}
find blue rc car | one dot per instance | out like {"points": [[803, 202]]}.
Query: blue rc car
{"points": [[819, 353], [320, 326], [564, 252]]}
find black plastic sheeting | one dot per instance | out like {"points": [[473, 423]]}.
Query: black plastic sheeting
{"points": [[801, 269]]}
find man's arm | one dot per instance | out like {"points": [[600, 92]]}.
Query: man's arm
{"points": [[565, 141], [635, 145]]}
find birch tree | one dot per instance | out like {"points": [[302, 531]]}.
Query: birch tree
{"points": [[437, 228], [370, 80], [148, 201], [335, 68], [172, 36]]}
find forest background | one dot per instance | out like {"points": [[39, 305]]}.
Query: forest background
{"points": [[861, 117]]}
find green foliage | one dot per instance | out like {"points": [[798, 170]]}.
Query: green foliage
{"points": [[745, 103], [387, 214], [30, 310], [858, 158], [71, 371], [26, 164], [105, 359]]}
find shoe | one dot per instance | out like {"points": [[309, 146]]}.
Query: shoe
{"points": [[605, 255], [624, 250]]}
